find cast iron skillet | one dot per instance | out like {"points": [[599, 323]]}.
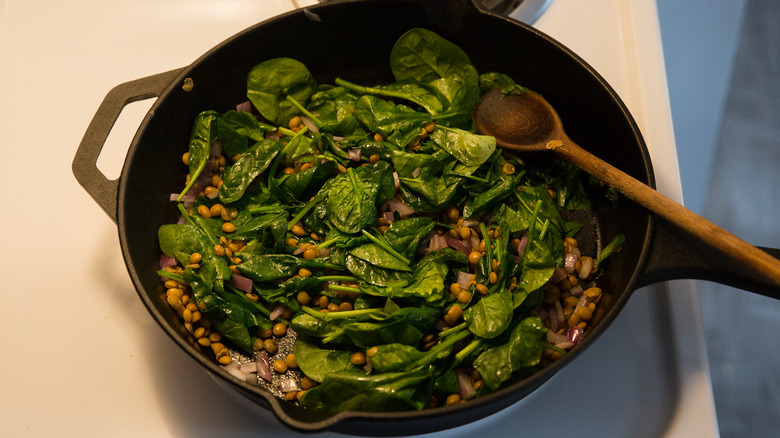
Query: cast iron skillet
{"points": [[353, 40]]}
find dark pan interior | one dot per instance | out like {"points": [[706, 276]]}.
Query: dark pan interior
{"points": [[353, 40]]}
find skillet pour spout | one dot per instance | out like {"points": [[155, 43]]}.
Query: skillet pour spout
{"points": [[360, 53]]}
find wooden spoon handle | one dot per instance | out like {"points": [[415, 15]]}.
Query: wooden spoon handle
{"points": [[670, 210]]}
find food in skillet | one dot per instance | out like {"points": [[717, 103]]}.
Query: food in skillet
{"points": [[361, 248]]}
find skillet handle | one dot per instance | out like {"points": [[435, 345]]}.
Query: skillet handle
{"points": [[103, 190], [675, 255]]}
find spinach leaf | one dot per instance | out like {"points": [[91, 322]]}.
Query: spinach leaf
{"points": [[269, 267], [304, 184], [407, 235], [201, 139], [491, 315], [317, 362], [236, 128], [395, 357], [270, 82], [377, 256], [424, 56], [423, 184], [348, 391], [350, 199], [523, 350], [373, 274], [334, 107], [470, 149], [397, 124], [491, 80], [237, 177]]}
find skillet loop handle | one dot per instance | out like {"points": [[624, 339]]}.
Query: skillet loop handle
{"points": [[103, 190]]}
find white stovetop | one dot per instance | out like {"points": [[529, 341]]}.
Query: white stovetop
{"points": [[81, 356]]}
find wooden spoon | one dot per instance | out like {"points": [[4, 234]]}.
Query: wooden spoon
{"points": [[526, 122]]}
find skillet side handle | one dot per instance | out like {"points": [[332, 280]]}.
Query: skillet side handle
{"points": [[674, 255], [103, 190]]}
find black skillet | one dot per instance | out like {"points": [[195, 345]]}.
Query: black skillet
{"points": [[353, 40]]}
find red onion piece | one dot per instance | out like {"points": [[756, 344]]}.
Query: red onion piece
{"points": [[521, 246], [264, 366], [309, 124], [289, 385], [457, 244], [569, 261], [576, 291], [388, 215], [416, 172], [240, 282], [354, 154], [587, 266], [557, 316], [167, 261], [274, 135], [574, 334], [244, 106], [436, 242], [396, 180], [234, 369], [464, 278], [555, 338], [276, 312], [403, 210], [470, 223], [558, 275], [249, 367], [565, 345], [467, 391]]}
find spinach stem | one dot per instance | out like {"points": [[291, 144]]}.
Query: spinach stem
{"points": [[488, 246], [317, 122], [328, 243], [298, 216], [451, 330], [171, 276], [386, 246], [337, 278], [344, 288], [360, 89], [267, 209], [467, 350], [552, 347]]}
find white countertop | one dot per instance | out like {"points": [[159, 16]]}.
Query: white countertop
{"points": [[82, 357]]}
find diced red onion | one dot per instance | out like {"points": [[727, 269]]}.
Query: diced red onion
{"points": [[467, 391], [278, 310], [457, 244], [388, 215], [298, 251], [583, 302], [338, 138], [309, 124], [403, 210], [264, 366], [557, 316], [273, 135], [396, 180], [464, 278], [470, 223], [569, 262], [574, 334], [555, 338], [587, 266], [416, 172], [324, 252], [213, 195], [240, 282], [289, 385], [244, 106], [354, 154], [516, 259], [234, 369], [576, 291], [558, 275], [473, 241], [522, 245], [565, 345], [436, 242], [249, 367], [167, 261]]}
